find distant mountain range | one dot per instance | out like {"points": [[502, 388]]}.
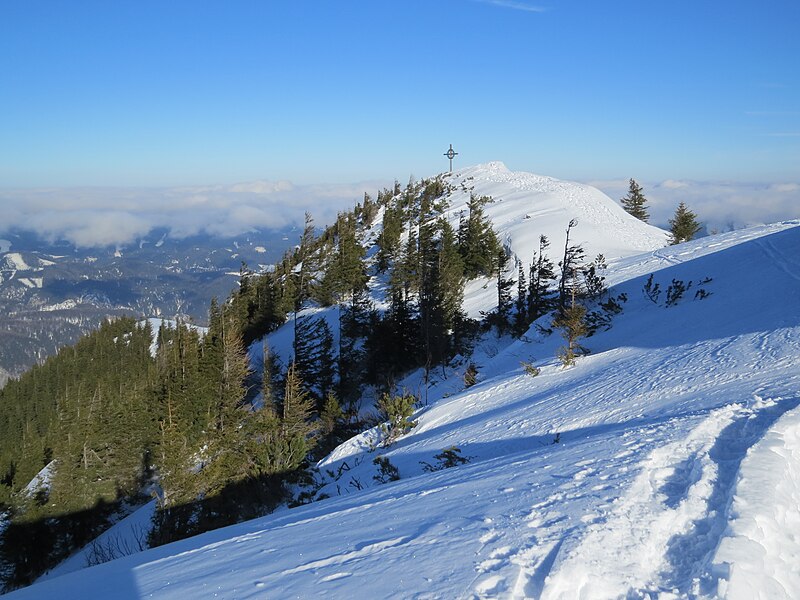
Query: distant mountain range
{"points": [[52, 292]]}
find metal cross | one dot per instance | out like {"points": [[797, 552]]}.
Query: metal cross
{"points": [[451, 154]]}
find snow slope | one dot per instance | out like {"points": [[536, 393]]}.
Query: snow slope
{"points": [[527, 206], [675, 475]]}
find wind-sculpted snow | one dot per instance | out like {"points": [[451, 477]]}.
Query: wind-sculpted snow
{"points": [[662, 465], [759, 553]]}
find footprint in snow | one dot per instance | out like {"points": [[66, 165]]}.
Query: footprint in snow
{"points": [[490, 536], [490, 587]]}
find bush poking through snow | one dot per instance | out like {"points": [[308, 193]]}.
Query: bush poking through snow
{"points": [[573, 326], [395, 412], [675, 291], [530, 368], [470, 375], [449, 457], [652, 290], [386, 470]]}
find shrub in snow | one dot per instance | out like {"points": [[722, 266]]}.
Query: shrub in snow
{"points": [[395, 412], [386, 470], [449, 457], [530, 368]]}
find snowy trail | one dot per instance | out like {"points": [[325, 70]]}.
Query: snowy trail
{"points": [[666, 527]]}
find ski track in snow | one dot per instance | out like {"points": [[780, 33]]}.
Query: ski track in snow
{"points": [[665, 529]]}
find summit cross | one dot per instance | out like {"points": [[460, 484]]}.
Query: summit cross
{"points": [[451, 154]]}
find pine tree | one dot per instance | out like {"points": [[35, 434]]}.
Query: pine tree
{"points": [[541, 277], [449, 285], [683, 225], [521, 304], [504, 285], [477, 240], [354, 318], [314, 357], [572, 323], [389, 238], [225, 432], [295, 440], [634, 202], [570, 268]]}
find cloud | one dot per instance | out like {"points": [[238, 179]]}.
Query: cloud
{"points": [[90, 217], [674, 185], [721, 206], [785, 187], [514, 5]]}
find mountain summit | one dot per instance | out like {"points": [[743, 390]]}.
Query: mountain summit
{"points": [[527, 205]]}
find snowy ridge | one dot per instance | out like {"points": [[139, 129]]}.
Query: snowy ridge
{"points": [[679, 442], [527, 205]]}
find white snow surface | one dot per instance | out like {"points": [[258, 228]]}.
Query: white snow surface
{"points": [[15, 262], [41, 481], [675, 475], [527, 206]]}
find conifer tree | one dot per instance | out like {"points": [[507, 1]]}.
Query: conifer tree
{"points": [[571, 320], [683, 225], [570, 268], [347, 272], [478, 242], [634, 202], [354, 318], [449, 282], [542, 275], [314, 357], [389, 239], [307, 263], [225, 441], [521, 303], [504, 285], [295, 441]]}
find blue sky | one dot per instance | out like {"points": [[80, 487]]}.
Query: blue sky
{"points": [[182, 93]]}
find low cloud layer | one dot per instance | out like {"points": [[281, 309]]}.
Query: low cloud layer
{"points": [[91, 217], [719, 206]]}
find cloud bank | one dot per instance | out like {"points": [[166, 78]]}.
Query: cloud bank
{"points": [[720, 206], [91, 217]]}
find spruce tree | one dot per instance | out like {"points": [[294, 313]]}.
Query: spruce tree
{"points": [[449, 286], [521, 304], [634, 202], [295, 440], [389, 238], [570, 268], [683, 225], [541, 277], [477, 240], [571, 320], [504, 285]]}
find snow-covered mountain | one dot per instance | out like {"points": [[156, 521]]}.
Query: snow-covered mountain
{"points": [[665, 464]]}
